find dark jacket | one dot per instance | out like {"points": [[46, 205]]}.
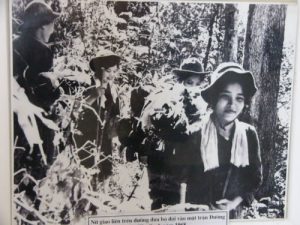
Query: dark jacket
{"points": [[30, 58], [89, 129], [169, 168], [227, 181]]}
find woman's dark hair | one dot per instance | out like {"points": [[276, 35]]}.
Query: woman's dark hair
{"points": [[111, 64]]}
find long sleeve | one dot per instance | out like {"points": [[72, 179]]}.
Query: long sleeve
{"points": [[35, 58], [251, 176]]}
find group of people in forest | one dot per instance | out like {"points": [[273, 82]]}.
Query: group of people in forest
{"points": [[216, 166]]}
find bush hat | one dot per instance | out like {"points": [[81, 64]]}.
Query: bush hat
{"points": [[190, 66], [229, 72], [36, 14], [105, 58]]}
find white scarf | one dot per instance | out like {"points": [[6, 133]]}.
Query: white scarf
{"points": [[113, 91], [209, 145]]}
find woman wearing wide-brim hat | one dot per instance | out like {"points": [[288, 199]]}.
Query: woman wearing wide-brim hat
{"points": [[32, 61], [191, 72], [169, 163], [105, 58], [225, 73], [37, 14], [103, 97], [230, 150], [30, 50], [105, 66], [192, 75]]}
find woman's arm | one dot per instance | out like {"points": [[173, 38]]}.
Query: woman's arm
{"points": [[251, 176]]}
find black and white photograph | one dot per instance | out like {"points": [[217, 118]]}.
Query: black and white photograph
{"points": [[147, 106]]}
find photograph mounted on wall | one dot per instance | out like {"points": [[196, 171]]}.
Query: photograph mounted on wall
{"points": [[150, 107]]}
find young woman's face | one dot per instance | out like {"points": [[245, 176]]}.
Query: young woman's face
{"points": [[230, 103], [192, 81], [47, 29], [109, 73]]}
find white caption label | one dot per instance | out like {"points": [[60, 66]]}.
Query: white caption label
{"points": [[186, 218]]}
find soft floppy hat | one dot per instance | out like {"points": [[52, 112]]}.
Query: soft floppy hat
{"points": [[106, 58], [190, 66], [36, 14], [230, 71]]}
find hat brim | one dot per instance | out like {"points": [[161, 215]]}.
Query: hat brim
{"points": [[54, 15], [106, 61], [189, 73], [37, 23], [246, 80]]}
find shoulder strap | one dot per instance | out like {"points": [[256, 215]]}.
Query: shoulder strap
{"points": [[21, 60]]}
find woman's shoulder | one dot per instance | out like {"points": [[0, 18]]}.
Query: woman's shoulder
{"points": [[28, 41], [252, 135], [248, 127]]}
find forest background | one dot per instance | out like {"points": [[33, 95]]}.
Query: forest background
{"points": [[154, 40]]}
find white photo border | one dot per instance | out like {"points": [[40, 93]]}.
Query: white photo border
{"points": [[292, 218]]}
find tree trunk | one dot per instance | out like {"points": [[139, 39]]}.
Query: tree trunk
{"points": [[210, 33], [230, 37], [263, 56]]}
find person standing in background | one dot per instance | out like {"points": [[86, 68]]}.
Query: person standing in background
{"points": [[170, 165], [32, 58], [32, 63], [193, 78], [100, 125]]}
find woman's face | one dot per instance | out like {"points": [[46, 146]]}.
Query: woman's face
{"points": [[192, 81], [230, 103], [47, 29], [109, 74]]}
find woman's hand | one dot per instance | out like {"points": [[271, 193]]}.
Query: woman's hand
{"points": [[225, 204], [52, 77], [27, 113]]}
